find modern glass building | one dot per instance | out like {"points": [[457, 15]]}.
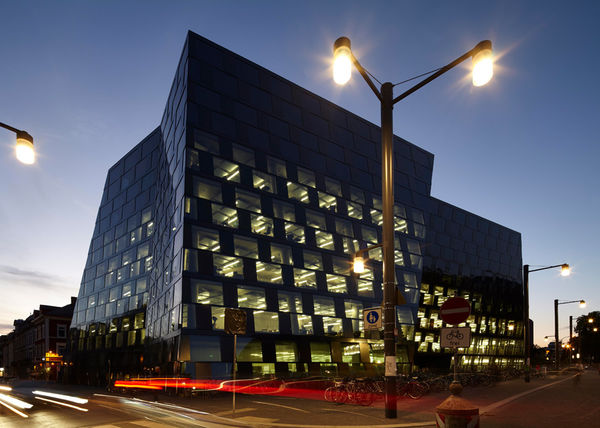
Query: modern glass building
{"points": [[255, 193]]}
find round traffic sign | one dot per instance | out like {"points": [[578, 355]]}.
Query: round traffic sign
{"points": [[372, 317], [455, 310]]}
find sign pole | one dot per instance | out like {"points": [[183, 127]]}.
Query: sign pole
{"points": [[234, 363]]}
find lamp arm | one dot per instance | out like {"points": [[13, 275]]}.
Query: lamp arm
{"points": [[365, 76], [570, 301], [485, 44], [10, 128], [548, 267]]}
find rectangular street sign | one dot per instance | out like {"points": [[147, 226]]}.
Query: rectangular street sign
{"points": [[372, 318], [456, 337]]}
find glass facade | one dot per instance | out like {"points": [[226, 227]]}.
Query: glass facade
{"points": [[257, 195]]}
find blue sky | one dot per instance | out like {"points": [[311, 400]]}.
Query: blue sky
{"points": [[90, 79]]}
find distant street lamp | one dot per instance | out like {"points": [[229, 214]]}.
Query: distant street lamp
{"points": [[481, 55], [24, 148], [565, 270], [556, 303]]}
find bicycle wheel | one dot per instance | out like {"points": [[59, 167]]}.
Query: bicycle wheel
{"points": [[328, 395], [340, 394], [416, 390]]}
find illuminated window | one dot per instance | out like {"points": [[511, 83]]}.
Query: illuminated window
{"points": [[206, 189], [276, 166], [289, 301], [324, 240], [376, 217], [350, 246], [355, 210], [320, 352], [350, 353], [353, 309], [247, 201], [139, 321], [243, 155], [343, 227], [261, 225], [205, 239], [400, 225], [304, 278], [297, 192], [377, 203], [224, 216], [127, 289], [302, 324], [228, 170], [336, 284], [251, 297], [413, 246], [245, 247], [357, 195], [333, 326], [249, 349], [365, 287], [231, 267], [328, 202], [294, 233], [286, 352], [284, 210], [267, 272], [316, 220], [264, 181], [281, 254], [206, 142], [333, 186], [306, 177], [369, 234], [128, 256], [91, 301], [313, 260], [207, 292], [114, 293], [324, 305], [341, 266], [266, 322], [143, 250], [217, 315]]}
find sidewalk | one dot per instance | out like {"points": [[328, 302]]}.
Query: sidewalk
{"points": [[277, 411]]}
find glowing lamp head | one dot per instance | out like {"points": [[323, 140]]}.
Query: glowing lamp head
{"points": [[565, 270], [342, 61], [24, 148], [359, 265], [595, 328], [511, 327], [590, 320], [545, 338], [483, 65], [582, 303]]}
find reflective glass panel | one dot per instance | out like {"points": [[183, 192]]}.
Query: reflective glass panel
{"points": [[228, 170], [224, 216]]}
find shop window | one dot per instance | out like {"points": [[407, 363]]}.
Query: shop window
{"points": [[251, 297], [313, 260], [294, 233], [306, 177], [206, 189], [281, 254], [320, 352], [243, 155], [263, 181], [350, 353], [267, 272], [228, 170], [266, 322], [316, 220], [207, 292], [304, 278], [249, 349], [276, 166], [284, 210], [231, 267], [353, 309], [205, 239], [324, 240], [289, 301], [261, 225], [286, 352], [247, 201], [327, 202], [301, 324], [224, 216], [355, 210], [245, 247], [336, 284], [297, 192], [324, 305]]}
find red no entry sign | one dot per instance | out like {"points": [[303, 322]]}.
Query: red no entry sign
{"points": [[455, 310]]}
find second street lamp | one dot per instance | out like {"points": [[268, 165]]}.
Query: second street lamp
{"points": [[556, 303], [481, 55], [24, 148]]}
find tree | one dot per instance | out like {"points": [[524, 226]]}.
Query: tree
{"points": [[588, 329]]}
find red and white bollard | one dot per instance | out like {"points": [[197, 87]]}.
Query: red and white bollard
{"points": [[456, 412]]}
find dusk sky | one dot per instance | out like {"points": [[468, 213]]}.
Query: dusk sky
{"points": [[89, 80]]}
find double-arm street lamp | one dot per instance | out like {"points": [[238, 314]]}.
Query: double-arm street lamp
{"points": [[342, 70], [556, 303], [24, 148], [565, 270]]}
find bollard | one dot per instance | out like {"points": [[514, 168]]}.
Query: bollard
{"points": [[456, 412]]}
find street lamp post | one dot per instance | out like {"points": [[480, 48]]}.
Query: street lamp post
{"points": [[343, 61], [565, 270], [24, 148], [556, 303]]}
